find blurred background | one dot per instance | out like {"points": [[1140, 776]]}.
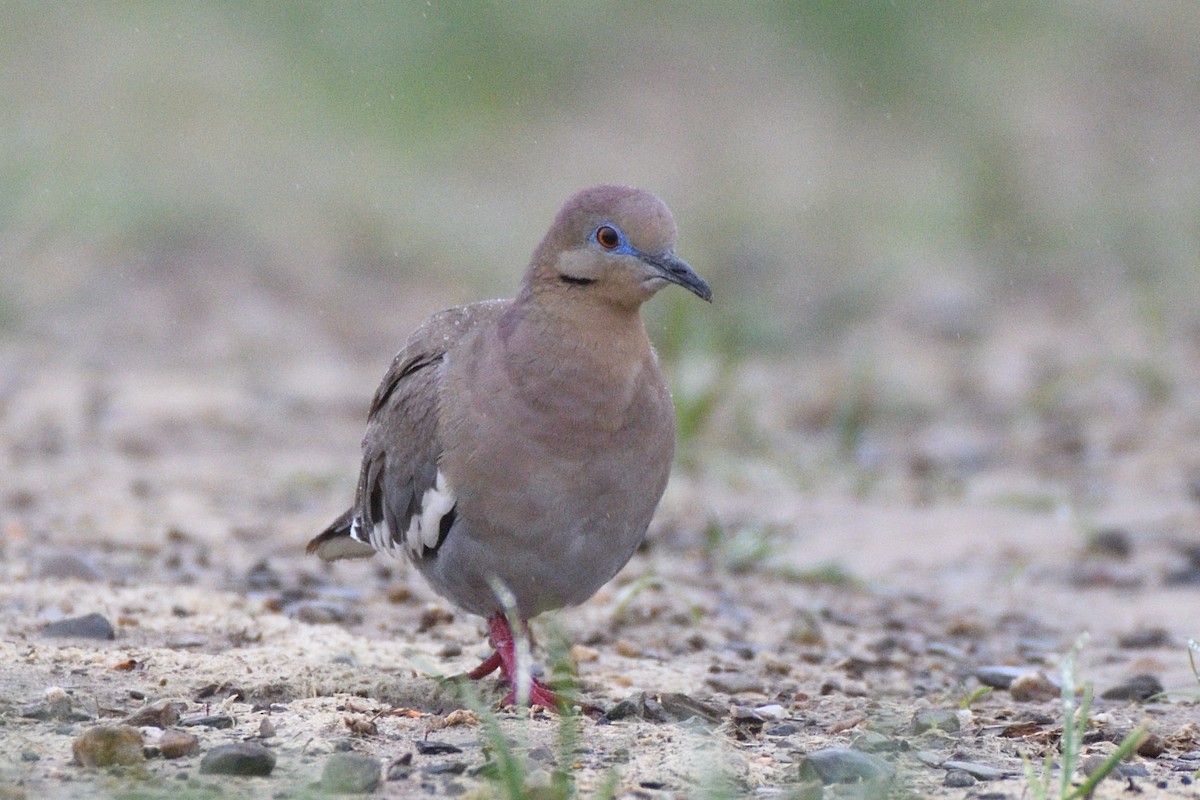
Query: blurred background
{"points": [[933, 230]]}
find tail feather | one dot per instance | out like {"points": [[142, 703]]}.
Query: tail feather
{"points": [[335, 542]]}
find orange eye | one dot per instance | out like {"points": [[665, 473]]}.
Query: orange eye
{"points": [[608, 237]]}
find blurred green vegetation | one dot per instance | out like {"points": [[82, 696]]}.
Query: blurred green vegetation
{"points": [[822, 158]]}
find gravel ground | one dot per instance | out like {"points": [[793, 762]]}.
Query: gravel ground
{"points": [[839, 566]]}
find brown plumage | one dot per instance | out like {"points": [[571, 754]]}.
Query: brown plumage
{"points": [[527, 442]]}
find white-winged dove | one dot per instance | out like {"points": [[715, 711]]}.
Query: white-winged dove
{"points": [[525, 443]]}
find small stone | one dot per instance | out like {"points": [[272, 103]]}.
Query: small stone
{"points": [[433, 615], [446, 768], [68, 565], [786, 729], [401, 768], [1110, 543], [942, 719], [162, 714], [266, 728], [30, 756], [89, 626], [772, 711], [323, 612], [1152, 746], [843, 765], [958, 779], [219, 721], [876, 742], [242, 758], [1145, 639], [450, 650], [980, 772], [999, 676], [261, 578], [177, 744], [1092, 764], [107, 745], [1138, 688], [429, 747], [735, 682], [1033, 687], [351, 773]]}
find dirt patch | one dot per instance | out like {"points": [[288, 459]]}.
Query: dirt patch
{"points": [[837, 564]]}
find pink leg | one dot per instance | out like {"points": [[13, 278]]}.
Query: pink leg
{"points": [[505, 659]]}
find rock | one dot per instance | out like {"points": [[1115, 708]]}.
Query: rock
{"points": [[980, 772], [162, 714], [431, 748], [1145, 639], [876, 742], [942, 719], [772, 711], [1138, 688], [219, 721], [66, 565], [243, 758], [843, 765], [89, 626], [786, 729], [56, 705], [1110, 543], [177, 744], [1152, 746], [351, 773], [999, 676], [735, 682], [266, 728], [958, 779], [262, 578], [323, 612], [1033, 687], [666, 707], [107, 745]]}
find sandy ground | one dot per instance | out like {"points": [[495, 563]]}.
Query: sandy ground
{"points": [[1007, 487]]}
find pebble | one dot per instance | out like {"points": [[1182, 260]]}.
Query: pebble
{"points": [[980, 772], [1032, 687], [89, 626], [1138, 688], [1145, 639], [107, 745], [942, 719], [68, 565], [323, 612], [242, 758], [428, 747], [1110, 543], [162, 714], [218, 721], [351, 773], [843, 765], [958, 779], [786, 729], [999, 676], [177, 744], [447, 768], [735, 682], [1152, 746], [876, 742]]}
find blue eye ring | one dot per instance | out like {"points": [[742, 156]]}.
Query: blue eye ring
{"points": [[607, 237]]}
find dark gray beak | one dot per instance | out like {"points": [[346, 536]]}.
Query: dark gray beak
{"points": [[676, 270]]}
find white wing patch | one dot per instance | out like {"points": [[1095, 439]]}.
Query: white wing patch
{"points": [[425, 526], [423, 529]]}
